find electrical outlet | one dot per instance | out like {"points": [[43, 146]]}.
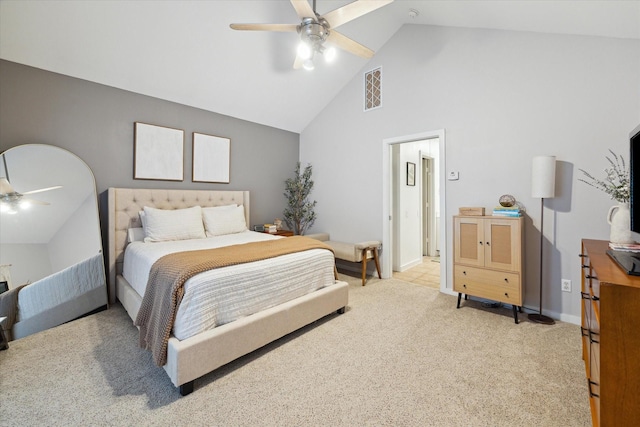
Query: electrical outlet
{"points": [[566, 285]]}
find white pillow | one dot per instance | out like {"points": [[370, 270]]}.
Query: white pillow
{"points": [[143, 220], [178, 224], [224, 220], [135, 234]]}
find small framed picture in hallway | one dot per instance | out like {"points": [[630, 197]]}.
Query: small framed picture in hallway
{"points": [[411, 173]]}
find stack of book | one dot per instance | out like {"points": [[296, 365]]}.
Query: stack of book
{"points": [[270, 228], [511, 211], [627, 247]]}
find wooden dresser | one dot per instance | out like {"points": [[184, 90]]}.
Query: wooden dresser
{"points": [[487, 259], [610, 337]]}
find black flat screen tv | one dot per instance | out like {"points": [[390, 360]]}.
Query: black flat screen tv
{"points": [[630, 261], [634, 179]]}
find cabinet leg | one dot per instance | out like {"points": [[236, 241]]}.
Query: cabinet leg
{"points": [[459, 296], [515, 314]]}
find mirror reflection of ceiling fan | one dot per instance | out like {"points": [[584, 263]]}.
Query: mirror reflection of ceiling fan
{"points": [[12, 201], [315, 29]]}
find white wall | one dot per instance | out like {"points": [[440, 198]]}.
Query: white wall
{"points": [[79, 237], [503, 97], [29, 262]]}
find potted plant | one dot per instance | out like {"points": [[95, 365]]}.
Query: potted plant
{"points": [[299, 214], [617, 186]]}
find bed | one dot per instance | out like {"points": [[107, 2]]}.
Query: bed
{"points": [[203, 350], [71, 293]]}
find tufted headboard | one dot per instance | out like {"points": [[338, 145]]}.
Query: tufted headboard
{"points": [[126, 203]]}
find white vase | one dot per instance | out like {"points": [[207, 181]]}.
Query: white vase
{"points": [[620, 221]]}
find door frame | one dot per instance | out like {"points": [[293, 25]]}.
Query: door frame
{"points": [[427, 216], [387, 206]]}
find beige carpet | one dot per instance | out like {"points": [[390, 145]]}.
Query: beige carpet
{"points": [[401, 355]]}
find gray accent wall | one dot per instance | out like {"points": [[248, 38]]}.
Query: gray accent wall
{"points": [[96, 122]]}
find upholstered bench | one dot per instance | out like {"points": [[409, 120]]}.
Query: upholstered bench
{"points": [[353, 252]]}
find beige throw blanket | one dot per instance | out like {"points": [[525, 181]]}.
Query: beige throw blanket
{"points": [[165, 287]]}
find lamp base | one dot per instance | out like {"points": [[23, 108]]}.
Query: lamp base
{"points": [[541, 318]]}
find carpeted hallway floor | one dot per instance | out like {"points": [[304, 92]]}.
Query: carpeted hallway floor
{"points": [[401, 355]]}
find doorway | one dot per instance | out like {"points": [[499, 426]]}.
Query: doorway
{"points": [[411, 225]]}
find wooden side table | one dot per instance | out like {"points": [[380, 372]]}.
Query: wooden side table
{"points": [[285, 233]]}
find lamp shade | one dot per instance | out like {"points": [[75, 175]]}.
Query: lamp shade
{"points": [[543, 177]]}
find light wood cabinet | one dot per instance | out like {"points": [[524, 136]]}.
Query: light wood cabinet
{"points": [[488, 259], [610, 337]]}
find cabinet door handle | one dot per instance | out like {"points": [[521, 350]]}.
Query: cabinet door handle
{"points": [[582, 255], [588, 276], [488, 243], [584, 332], [585, 266], [591, 393], [591, 339], [595, 298], [506, 294], [480, 242], [506, 279], [464, 272], [464, 286], [585, 295]]}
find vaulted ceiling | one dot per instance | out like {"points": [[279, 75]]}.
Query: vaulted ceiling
{"points": [[184, 51]]}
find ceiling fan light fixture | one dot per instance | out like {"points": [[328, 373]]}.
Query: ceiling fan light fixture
{"points": [[308, 65], [304, 51], [8, 208], [330, 54]]}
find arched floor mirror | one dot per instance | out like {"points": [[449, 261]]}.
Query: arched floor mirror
{"points": [[51, 264]]}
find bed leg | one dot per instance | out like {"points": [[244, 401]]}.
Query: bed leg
{"points": [[341, 310], [186, 388]]}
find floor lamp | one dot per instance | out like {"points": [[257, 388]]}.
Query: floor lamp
{"points": [[543, 183]]}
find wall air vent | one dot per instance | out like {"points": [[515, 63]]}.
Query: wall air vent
{"points": [[373, 89]]}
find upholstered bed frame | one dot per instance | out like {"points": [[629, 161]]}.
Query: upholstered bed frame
{"points": [[194, 357]]}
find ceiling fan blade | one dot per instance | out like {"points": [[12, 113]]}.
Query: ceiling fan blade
{"points": [[303, 9], [5, 186], [354, 10], [43, 189], [34, 201], [266, 27], [345, 43]]}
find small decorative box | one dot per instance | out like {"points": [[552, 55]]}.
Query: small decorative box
{"points": [[471, 211]]}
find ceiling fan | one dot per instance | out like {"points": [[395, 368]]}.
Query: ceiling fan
{"points": [[315, 29], [11, 201]]}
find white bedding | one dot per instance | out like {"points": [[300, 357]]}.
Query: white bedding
{"points": [[223, 295], [60, 287]]}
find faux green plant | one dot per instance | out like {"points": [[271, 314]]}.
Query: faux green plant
{"points": [[616, 184], [299, 214]]}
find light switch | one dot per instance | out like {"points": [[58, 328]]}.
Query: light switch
{"points": [[453, 176]]}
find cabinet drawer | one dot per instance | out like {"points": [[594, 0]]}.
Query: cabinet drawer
{"points": [[594, 382], [595, 297], [493, 285], [585, 328]]}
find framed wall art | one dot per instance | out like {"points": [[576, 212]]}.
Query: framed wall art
{"points": [[158, 153], [211, 158], [411, 173]]}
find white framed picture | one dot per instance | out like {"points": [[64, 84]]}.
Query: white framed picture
{"points": [[158, 152], [211, 158]]}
